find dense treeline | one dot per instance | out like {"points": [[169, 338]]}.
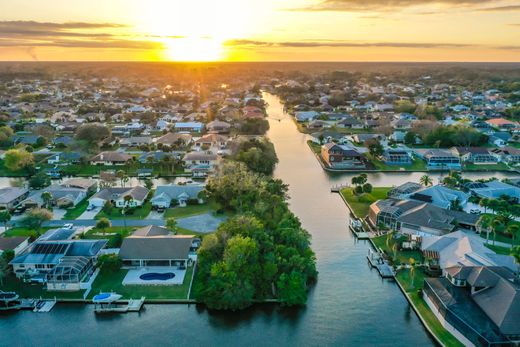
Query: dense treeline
{"points": [[261, 253], [258, 155]]}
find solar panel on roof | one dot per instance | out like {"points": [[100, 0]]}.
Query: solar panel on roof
{"points": [[49, 248]]}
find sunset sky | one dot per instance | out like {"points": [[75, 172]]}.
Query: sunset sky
{"points": [[260, 30]]}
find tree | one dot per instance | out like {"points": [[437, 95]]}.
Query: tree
{"points": [[103, 224], [484, 202], [171, 223], [39, 180], [515, 252], [5, 217], [5, 270], [36, 217], [376, 149], [8, 255], [426, 180], [110, 262], [18, 159], [148, 184], [367, 188], [292, 289], [92, 133], [496, 226], [120, 174], [258, 155], [47, 198], [410, 138], [514, 230], [412, 270]]}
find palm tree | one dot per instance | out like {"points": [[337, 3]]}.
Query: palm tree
{"points": [[120, 174], [426, 180], [5, 217], [171, 223], [515, 252], [412, 270], [483, 224], [484, 202], [103, 224], [496, 226], [514, 230], [47, 198]]}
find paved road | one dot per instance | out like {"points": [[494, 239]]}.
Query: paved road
{"points": [[115, 223]]}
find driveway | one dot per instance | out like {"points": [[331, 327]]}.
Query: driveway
{"points": [[202, 223], [90, 214], [155, 215]]}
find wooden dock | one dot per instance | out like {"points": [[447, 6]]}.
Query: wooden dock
{"points": [[44, 306], [132, 305], [377, 261]]}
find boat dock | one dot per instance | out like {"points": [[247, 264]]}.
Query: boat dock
{"points": [[44, 306], [132, 305], [376, 260], [356, 226]]}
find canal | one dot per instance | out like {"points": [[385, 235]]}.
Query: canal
{"points": [[349, 306]]}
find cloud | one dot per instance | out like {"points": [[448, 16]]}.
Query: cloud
{"points": [[499, 8], [385, 5], [327, 43], [72, 34]]}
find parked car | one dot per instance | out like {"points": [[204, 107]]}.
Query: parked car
{"points": [[68, 226], [474, 211]]}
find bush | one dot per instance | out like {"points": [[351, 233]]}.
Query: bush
{"points": [[115, 241], [110, 262]]}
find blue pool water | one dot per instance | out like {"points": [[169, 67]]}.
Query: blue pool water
{"points": [[152, 276], [101, 296]]}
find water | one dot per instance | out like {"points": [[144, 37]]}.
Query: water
{"points": [[350, 305]]}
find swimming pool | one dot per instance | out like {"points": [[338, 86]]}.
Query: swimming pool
{"points": [[156, 276]]}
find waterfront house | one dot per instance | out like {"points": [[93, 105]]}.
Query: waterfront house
{"points": [[479, 305], [441, 196], [306, 116], [437, 159], [475, 155], [457, 248], [177, 194], [404, 190], [58, 260], [493, 190], [418, 218], [87, 184], [397, 157], [156, 246], [510, 155], [116, 195], [10, 197], [62, 197], [342, 157], [502, 123], [110, 158]]}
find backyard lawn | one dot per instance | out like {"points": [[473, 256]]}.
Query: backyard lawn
{"points": [[108, 281], [314, 147], [499, 249], [417, 165], [403, 257], [361, 203], [492, 167], [36, 290], [140, 212]]}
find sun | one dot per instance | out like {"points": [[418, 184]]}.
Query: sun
{"points": [[194, 30], [196, 49]]}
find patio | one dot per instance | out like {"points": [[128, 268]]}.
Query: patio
{"points": [[134, 276]]}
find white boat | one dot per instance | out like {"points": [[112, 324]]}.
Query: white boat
{"points": [[106, 298]]}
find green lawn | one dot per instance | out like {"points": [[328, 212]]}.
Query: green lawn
{"points": [[403, 257], [314, 147], [95, 234], [76, 211], [26, 290], [492, 167], [433, 323], [499, 250], [361, 203], [191, 210], [140, 212], [417, 165], [22, 231], [108, 281]]}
